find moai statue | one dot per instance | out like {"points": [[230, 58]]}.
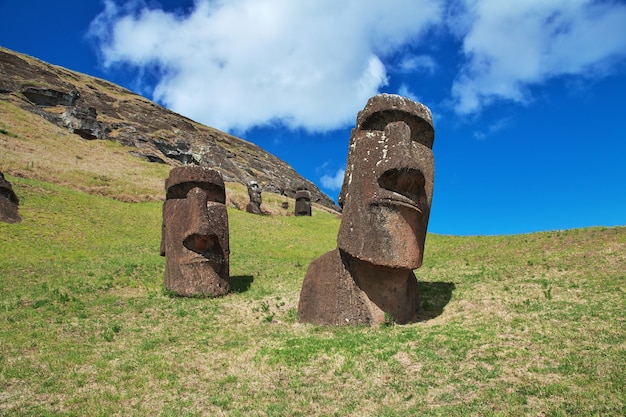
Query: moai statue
{"points": [[303, 202], [386, 198], [254, 192], [8, 202], [195, 239]]}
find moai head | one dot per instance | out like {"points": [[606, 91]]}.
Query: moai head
{"points": [[8, 202], [195, 239], [254, 192], [388, 184], [303, 202]]}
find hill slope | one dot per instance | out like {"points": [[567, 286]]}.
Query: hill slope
{"points": [[91, 108]]}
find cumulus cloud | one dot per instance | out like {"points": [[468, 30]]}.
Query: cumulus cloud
{"points": [[492, 128], [415, 63], [510, 46], [405, 91], [334, 181], [235, 64]]}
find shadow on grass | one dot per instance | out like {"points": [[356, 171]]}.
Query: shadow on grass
{"points": [[240, 283], [434, 296]]}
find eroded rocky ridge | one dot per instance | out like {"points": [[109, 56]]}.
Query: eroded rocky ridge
{"points": [[97, 109]]}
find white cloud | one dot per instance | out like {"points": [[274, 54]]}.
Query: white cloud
{"points": [[333, 182], [414, 63], [493, 128], [405, 91], [234, 64], [510, 46]]}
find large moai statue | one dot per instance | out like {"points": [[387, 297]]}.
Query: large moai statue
{"points": [[254, 192], [195, 239], [386, 198], [8, 202], [303, 202]]}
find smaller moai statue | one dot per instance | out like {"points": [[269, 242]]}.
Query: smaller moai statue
{"points": [[195, 240], [303, 202], [285, 205], [8, 202], [254, 192]]}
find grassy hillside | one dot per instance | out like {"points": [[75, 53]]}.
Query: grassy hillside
{"points": [[34, 148], [512, 325], [34, 136]]}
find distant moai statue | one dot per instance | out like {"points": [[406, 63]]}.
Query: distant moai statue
{"points": [[254, 192], [285, 205], [386, 199], [195, 239], [303, 202], [8, 202]]}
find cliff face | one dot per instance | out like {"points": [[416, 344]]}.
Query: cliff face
{"points": [[97, 109]]}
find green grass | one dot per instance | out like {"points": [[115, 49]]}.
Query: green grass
{"points": [[512, 325]]}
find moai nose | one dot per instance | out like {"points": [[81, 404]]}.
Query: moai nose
{"points": [[199, 236], [398, 135]]}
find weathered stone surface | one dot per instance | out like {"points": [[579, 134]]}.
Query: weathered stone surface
{"points": [[9, 202], [195, 239], [180, 151], [303, 202], [82, 120], [386, 198], [342, 290], [49, 97], [254, 192]]}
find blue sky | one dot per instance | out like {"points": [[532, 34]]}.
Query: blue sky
{"points": [[528, 97]]}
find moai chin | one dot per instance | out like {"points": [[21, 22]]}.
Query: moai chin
{"points": [[195, 239], [8, 202], [386, 198], [254, 192], [303, 202]]}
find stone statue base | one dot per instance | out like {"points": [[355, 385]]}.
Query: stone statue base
{"points": [[339, 289], [197, 282], [253, 208]]}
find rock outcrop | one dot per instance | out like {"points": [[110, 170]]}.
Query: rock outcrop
{"points": [[97, 109]]}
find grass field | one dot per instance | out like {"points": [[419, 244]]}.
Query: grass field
{"points": [[511, 325]]}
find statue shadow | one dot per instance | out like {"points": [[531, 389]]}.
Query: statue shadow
{"points": [[434, 296], [240, 283]]}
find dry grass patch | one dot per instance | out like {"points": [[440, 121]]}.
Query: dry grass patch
{"points": [[43, 151]]}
